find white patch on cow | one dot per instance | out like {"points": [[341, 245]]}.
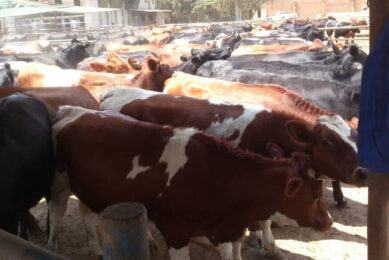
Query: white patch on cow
{"points": [[283, 220], [179, 254], [174, 153], [116, 98], [329, 215], [339, 126], [66, 115], [215, 102], [229, 126], [136, 168], [159, 195], [55, 77]]}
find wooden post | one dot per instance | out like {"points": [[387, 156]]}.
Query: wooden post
{"points": [[378, 209]]}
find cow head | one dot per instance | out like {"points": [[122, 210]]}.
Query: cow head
{"points": [[114, 65], [332, 144], [303, 196], [153, 74], [75, 52], [357, 54]]}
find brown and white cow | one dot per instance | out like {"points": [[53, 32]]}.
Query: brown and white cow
{"points": [[270, 95], [177, 173], [249, 127], [152, 77]]}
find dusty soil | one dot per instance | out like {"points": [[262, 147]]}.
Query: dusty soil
{"points": [[345, 240]]}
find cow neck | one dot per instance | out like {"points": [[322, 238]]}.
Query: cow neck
{"points": [[291, 103], [141, 79], [256, 180]]}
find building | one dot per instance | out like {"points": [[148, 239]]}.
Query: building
{"points": [[132, 12], [311, 8]]}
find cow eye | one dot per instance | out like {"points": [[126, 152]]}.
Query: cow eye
{"points": [[326, 141], [316, 197]]}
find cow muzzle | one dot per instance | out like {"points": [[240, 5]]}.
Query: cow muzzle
{"points": [[359, 176]]}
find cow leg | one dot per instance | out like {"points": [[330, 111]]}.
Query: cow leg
{"points": [[236, 250], [60, 192], [179, 254], [338, 194], [225, 251], [23, 226], [32, 224], [268, 241], [91, 222]]}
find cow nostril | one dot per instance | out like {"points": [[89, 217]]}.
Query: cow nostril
{"points": [[362, 174]]}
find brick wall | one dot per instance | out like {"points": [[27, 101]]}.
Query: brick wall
{"points": [[313, 8]]}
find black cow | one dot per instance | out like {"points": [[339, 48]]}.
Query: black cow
{"points": [[67, 58], [199, 57], [6, 76], [26, 158], [340, 33], [319, 88]]}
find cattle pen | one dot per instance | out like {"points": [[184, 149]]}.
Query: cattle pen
{"points": [[360, 229]]}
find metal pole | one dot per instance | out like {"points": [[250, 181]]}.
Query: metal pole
{"points": [[15, 248], [125, 232], [378, 207]]}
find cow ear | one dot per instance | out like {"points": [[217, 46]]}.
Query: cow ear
{"points": [[353, 50], [153, 65], [274, 151], [293, 187], [298, 131], [87, 44], [135, 64], [196, 60], [97, 66]]}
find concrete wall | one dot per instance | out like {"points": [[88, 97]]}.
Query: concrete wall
{"points": [[146, 4], [313, 8]]}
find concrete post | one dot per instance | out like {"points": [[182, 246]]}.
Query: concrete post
{"points": [[15, 248], [125, 232]]}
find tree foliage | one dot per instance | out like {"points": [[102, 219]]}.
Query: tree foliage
{"points": [[184, 11]]}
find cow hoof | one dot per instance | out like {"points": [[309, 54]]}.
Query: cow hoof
{"points": [[341, 203]]}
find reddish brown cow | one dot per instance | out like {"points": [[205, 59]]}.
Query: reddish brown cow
{"points": [[53, 98], [170, 163], [158, 38], [114, 47], [263, 49], [249, 127], [152, 77], [114, 64]]}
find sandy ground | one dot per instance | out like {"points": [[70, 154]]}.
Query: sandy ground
{"points": [[345, 240]]}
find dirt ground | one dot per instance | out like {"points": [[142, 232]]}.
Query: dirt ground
{"points": [[345, 240]]}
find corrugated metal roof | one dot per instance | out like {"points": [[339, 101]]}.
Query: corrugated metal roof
{"points": [[10, 8], [82, 9], [151, 10]]}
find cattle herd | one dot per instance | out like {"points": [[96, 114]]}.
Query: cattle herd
{"points": [[216, 129]]}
